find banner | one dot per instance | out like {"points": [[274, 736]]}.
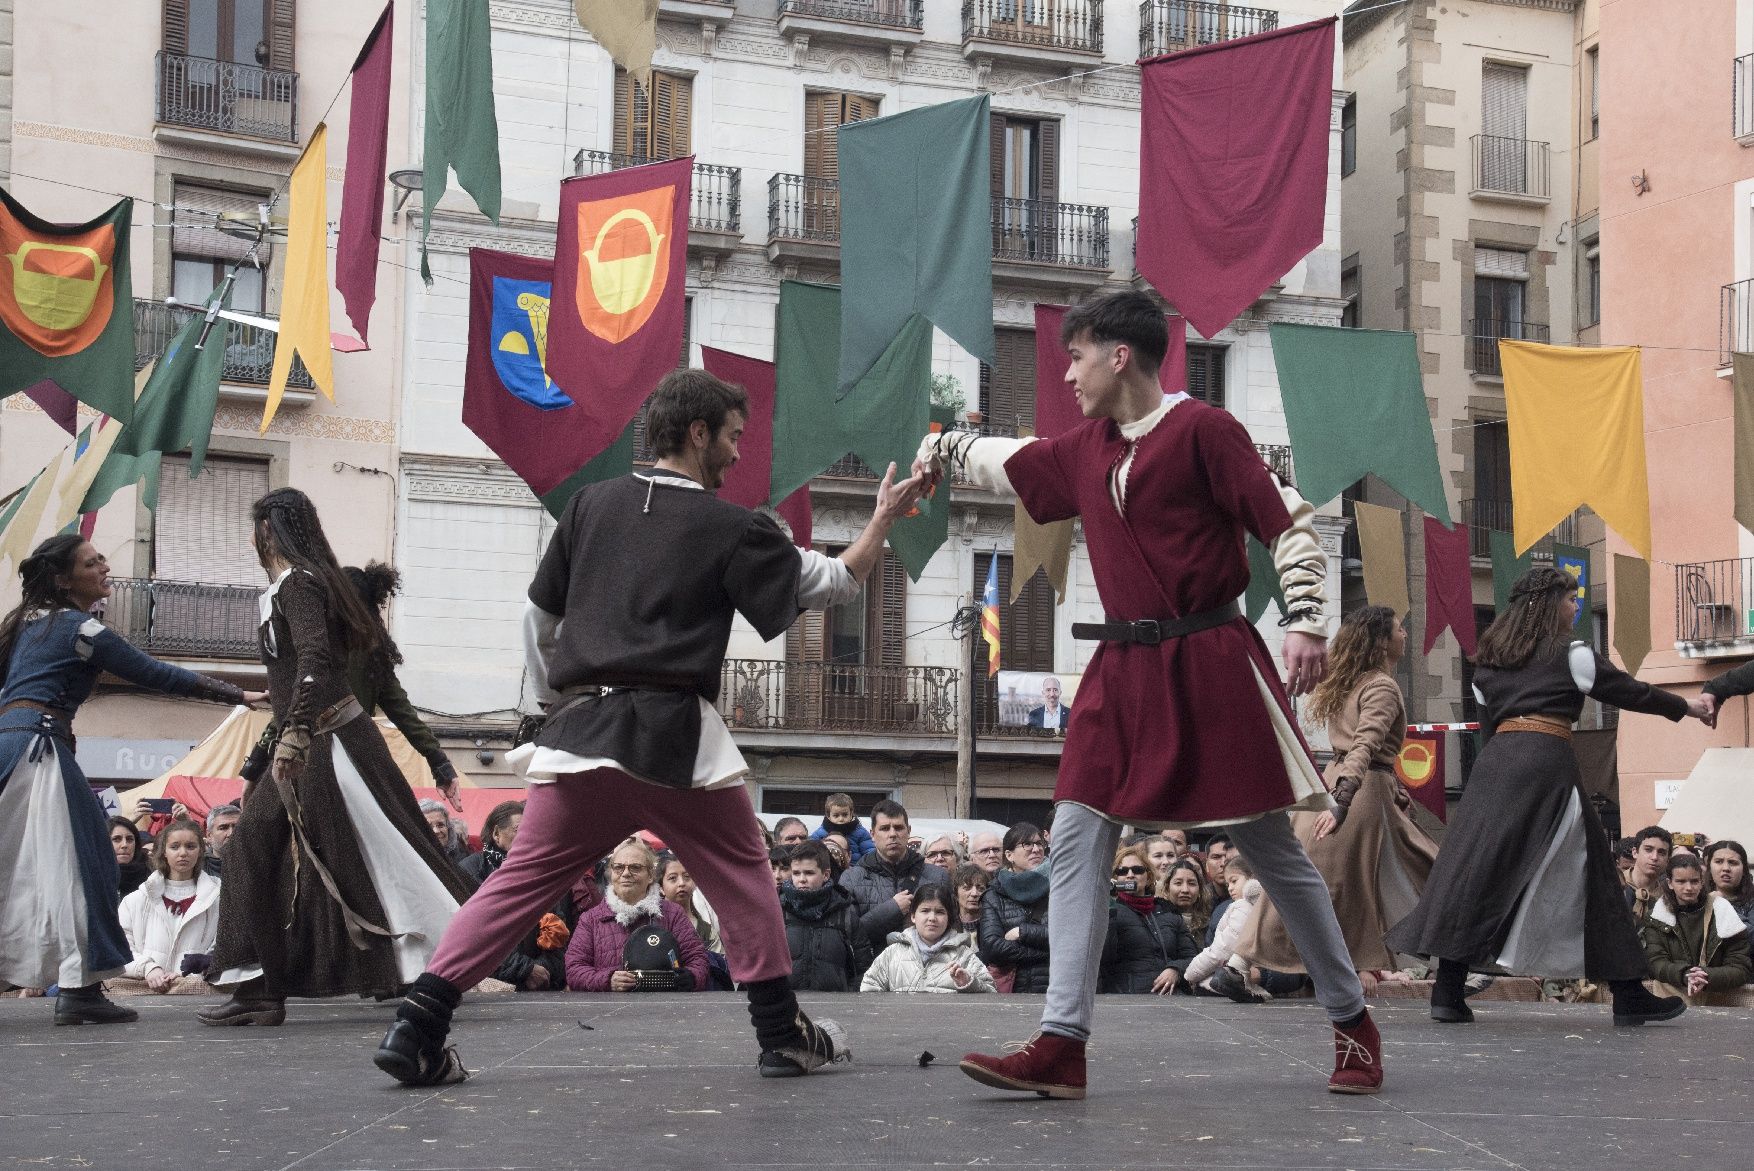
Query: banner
{"points": [[1264, 582], [990, 614], [749, 481], [1420, 768], [627, 30], [462, 129], [1506, 568], [1742, 387], [1576, 561], [304, 300], [1449, 585], [1383, 547], [56, 403], [1631, 610], [1233, 167], [362, 188], [67, 306]]}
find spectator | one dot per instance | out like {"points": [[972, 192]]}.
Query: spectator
{"points": [[1218, 852], [221, 820], [1728, 863], [1160, 855], [1651, 847], [789, 831], [971, 886], [1623, 853], [1148, 942], [1177, 838], [780, 858], [677, 885], [841, 855], [883, 882], [131, 860], [598, 959], [1696, 942], [497, 834], [443, 829], [987, 852], [1185, 888], [828, 948], [1218, 969], [171, 920], [838, 818], [943, 852], [931, 955], [1014, 913]]}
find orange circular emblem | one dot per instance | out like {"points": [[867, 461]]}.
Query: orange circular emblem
{"points": [[56, 292], [624, 260], [1417, 763]]}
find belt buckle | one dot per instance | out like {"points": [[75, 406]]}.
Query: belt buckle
{"points": [[1148, 632]]}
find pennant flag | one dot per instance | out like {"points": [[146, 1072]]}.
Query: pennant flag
{"points": [[1742, 387], [617, 317], [67, 306], [20, 535], [56, 403], [1047, 548], [91, 451], [1233, 167], [1576, 422], [1507, 566], [1576, 561], [362, 191], [627, 30], [1355, 404], [1449, 585], [1631, 610], [916, 231], [1264, 583], [1056, 408], [462, 130], [304, 300], [1385, 556], [990, 615], [915, 538], [1420, 767], [749, 481]]}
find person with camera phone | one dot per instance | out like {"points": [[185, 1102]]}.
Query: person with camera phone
{"points": [[635, 940], [1149, 944]]}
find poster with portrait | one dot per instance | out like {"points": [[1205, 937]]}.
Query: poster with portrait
{"points": [[1035, 699]]}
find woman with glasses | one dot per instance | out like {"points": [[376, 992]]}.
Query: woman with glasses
{"points": [[1149, 944], [597, 954], [943, 851], [1014, 913]]}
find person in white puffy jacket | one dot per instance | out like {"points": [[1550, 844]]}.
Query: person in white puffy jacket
{"points": [[1218, 969], [928, 956], [172, 917]]}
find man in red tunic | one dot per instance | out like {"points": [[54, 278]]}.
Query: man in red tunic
{"points": [[1181, 720]]}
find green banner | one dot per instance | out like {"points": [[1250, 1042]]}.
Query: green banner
{"points": [[1506, 568], [614, 460], [462, 129]]}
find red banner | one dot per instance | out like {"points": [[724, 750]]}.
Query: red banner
{"points": [[750, 479], [362, 191], [1056, 410], [1449, 585], [1420, 768]]}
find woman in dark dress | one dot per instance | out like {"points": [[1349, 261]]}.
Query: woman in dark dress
{"points": [[1526, 880], [334, 884]]}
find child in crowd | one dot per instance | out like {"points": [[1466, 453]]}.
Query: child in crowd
{"points": [[780, 859], [838, 818], [1695, 940], [929, 956], [822, 926], [172, 918], [1218, 969]]}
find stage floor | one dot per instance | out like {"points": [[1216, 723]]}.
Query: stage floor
{"points": [[669, 1081]]}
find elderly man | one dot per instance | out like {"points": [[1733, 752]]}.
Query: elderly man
{"points": [[987, 851], [1049, 713], [789, 831]]}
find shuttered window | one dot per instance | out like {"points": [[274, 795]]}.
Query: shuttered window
{"points": [[823, 113], [1504, 122], [656, 124], [1492, 466], [1025, 158], [1008, 388], [1206, 373], [1026, 634], [249, 32], [869, 631], [201, 530], [201, 254]]}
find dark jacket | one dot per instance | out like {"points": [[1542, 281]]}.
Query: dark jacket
{"points": [[829, 949], [1734, 682], [1139, 946], [859, 840], [873, 883], [1711, 936], [1017, 898]]}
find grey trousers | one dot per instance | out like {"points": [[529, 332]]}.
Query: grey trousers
{"points": [[1083, 852]]}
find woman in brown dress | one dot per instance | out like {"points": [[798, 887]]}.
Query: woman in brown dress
{"points": [[1373, 857]]}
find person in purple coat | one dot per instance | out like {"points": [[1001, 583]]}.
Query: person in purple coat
{"points": [[596, 957]]}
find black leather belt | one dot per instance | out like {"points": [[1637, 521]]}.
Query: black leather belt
{"points": [[1151, 631]]}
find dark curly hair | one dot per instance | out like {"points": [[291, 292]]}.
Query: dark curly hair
{"points": [[377, 583]]}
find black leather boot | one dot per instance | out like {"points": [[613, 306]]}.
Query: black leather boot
{"points": [[89, 1006], [414, 1050], [1448, 990], [1634, 1004]]}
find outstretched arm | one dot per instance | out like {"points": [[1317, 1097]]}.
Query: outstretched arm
{"points": [[894, 501]]}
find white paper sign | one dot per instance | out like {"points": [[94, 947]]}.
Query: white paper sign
{"points": [[1666, 793]]}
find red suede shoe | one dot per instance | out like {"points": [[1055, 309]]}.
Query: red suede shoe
{"points": [[1357, 1059], [1050, 1065]]}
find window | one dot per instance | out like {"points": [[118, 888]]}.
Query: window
{"points": [[1206, 373], [1491, 509], [1500, 284], [1008, 389], [1349, 137], [1026, 185], [1504, 116], [204, 245], [824, 113], [1351, 289], [653, 125], [1026, 633], [869, 631], [1595, 68], [1592, 282], [201, 529], [245, 32]]}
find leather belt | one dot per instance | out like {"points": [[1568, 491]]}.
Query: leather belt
{"points": [[33, 705], [1547, 725], [1152, 631], [337, 714]]}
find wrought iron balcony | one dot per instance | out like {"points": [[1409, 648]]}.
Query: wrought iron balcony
{"points": [[227, 97], [1714, 608], [249, 349], [803, 207], [1742, 99], [184, 619], [1169, 26], [1516, 167], [1039, 231], [1278, 457], [1735, 326], [1062, 25], [798, 696], [1482, 516], [889, 13], [716, 199], [1484, 335]]}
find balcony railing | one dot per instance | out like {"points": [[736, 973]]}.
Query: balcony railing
{"points": [[1278, 457], [1038, 231], [716, 201], [1484, 335], [184, 619], [803, 207], [1482, 516], [1169, 26], [1042, 24], [1735, 326], [249, 349], [227, 97], [890, 13], [1712, 603], [1511, 166], [1742, 97], [797, 696]]}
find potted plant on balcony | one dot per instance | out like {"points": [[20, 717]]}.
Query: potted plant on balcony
{"points": [[947, 395]]}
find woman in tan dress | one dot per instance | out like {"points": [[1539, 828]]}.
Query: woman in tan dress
{"points": [[1373, 857]]}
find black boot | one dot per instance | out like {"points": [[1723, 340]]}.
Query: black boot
{"points": [[414, 1050], [792, 1044], [89, 1006], [1448, 990], [1634, 1005], [250, 1004]]}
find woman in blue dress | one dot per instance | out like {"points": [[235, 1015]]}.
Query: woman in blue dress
{"points": [[58, 878]]}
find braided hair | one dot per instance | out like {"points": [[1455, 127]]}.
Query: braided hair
{"points": [[287, 528], [49, 561], [377, 583], [1534, 618]]}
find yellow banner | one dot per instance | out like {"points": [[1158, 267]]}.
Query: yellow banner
{"points": [[1384, 551], [304, 301], [627, 30]]}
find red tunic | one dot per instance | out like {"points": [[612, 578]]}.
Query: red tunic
{"points": [[1177, 732]]}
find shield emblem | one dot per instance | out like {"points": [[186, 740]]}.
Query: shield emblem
{"points": [[624, 260], [519, 327], [56, 292]]}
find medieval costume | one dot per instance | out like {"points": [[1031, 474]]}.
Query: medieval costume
{"points": [[1376, 861], [59, 899]]}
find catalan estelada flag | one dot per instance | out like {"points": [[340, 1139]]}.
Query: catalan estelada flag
{"points": [[990, 614]]}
